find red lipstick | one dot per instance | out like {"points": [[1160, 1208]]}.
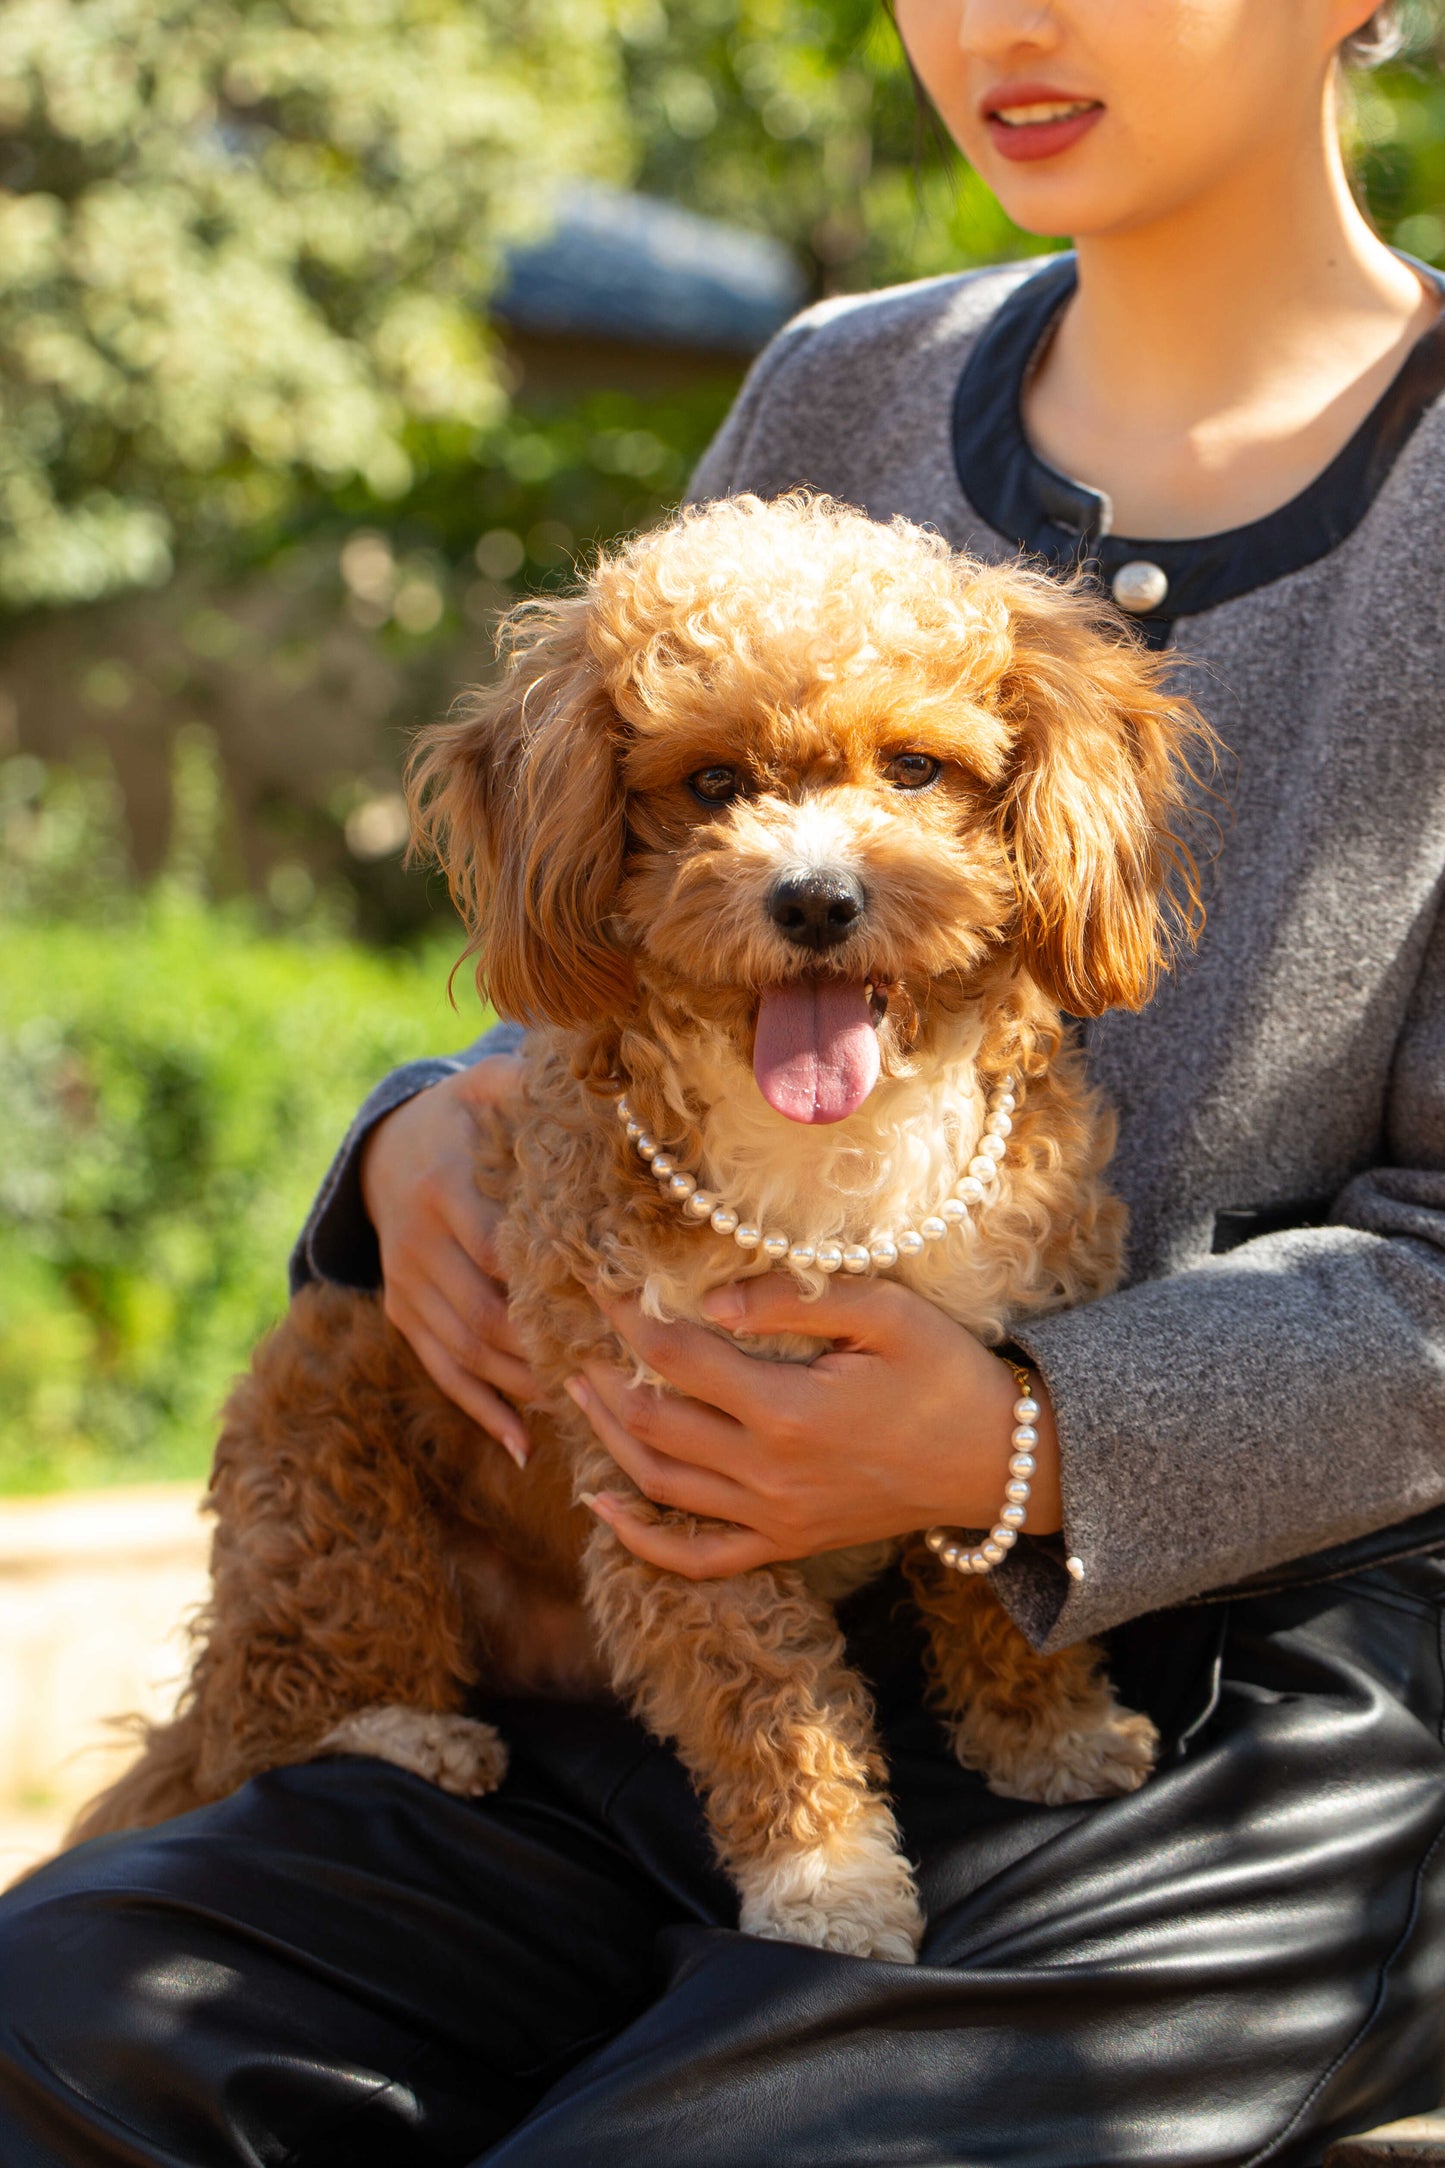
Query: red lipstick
{"points": [[1028, 133]]}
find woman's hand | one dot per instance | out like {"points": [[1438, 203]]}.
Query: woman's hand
{"points": [[903, 1422], [441, 1284]]}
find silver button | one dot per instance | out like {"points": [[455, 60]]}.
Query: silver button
{"points": [[1140, 586]]}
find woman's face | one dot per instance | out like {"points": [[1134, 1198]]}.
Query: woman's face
{"points": [[1098, 116]]}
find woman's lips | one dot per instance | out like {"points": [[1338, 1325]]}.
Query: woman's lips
{"points": [[1037, 127]]}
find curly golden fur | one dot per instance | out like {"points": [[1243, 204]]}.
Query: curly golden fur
{"points": [[377, 1556]]}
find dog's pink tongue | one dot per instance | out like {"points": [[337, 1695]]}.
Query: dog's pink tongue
{"points": [[815, 1053]]}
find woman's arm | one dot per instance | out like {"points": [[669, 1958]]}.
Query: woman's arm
{"points": [[1266, 1404]]}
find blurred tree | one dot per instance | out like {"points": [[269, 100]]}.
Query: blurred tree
{"points": [[1399, 126], [245, 243]]}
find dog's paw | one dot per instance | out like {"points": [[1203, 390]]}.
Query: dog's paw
{"points": [[855, 1895], [1060, 1766], [455, 1752]]}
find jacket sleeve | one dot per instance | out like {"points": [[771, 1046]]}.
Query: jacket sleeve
{"points": [[1263, 1405], [338, 1241]]}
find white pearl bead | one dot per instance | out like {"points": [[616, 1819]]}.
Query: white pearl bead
{"points": [[1008, 1537], [909, 1241], [746, 1236], [935, 1539], [933, 1229], [1027, 1410], [1013, 1516], [953, 1209], [855, 1258], [830, 1256], [1001, 1102], [952, 1555], [624, 1111], [1074, 1567], [999, 1124], [1025, 1437], [1006, 1082], [1016, 1491], [993, 1552], [983, 1168], [970, 1190], [724, 1220], [884, 1252], [774, 1245], [681, 1186], [801, 1254], [979, 1561], [699, 1205], [663, 1164], [647, 1146], [992, 1147], [634, 1130], [1023, 1464]]}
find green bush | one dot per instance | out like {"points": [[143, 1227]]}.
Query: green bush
{"points": [[172, 1083]]}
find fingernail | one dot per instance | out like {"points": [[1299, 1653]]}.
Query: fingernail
{"points": [[724, 1306], [594, 1503], [518, 1445]]}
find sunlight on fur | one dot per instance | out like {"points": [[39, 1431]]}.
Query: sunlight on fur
{"points": [[801, 830]]}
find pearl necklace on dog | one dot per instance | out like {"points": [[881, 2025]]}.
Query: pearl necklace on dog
{"points": [[706, 1207]]}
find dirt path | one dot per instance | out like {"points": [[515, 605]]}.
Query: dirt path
{"points": [[94, 1590]]}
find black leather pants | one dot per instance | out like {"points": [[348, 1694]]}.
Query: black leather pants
{"points": [[343, 1968]]}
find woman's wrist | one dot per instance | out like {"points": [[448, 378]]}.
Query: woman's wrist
{"points": [[992, 1448]]}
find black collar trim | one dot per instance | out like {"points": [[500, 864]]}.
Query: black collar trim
{"points": [[1044, 512]]}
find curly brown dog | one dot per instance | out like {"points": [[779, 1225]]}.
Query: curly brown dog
{"points": [[798, 830]]}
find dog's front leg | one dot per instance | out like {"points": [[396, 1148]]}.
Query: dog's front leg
{"points": [[1047, 1728], [747, 1678]]}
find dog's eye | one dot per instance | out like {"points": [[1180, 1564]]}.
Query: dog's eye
{"points": [[715, 786], [912, 771]]}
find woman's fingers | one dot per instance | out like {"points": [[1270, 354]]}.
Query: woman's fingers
{"points": [[470, 1394], [679, 1484], [670, 1423], [479, 1306], [456, 1331], [703, 1554], [438, 1240], [703, 1365]]}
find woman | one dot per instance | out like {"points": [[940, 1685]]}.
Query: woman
{"points": [[1243, 1448]]}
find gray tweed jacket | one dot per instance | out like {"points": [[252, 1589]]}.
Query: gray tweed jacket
{"points": [[1270, 1382]]}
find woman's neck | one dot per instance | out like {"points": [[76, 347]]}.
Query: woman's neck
{"points": [[1214, 361]]}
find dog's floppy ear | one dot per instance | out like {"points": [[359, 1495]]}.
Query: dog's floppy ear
{"points": [[1102, 758], [520, 800]]}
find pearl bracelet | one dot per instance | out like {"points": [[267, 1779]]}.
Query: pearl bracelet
{"points": [[1022, 1465]]}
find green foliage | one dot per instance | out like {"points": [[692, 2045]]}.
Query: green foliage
{"points": [[1400, 125], [173, 1082], [244, 244]]}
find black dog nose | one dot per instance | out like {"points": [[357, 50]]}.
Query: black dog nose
{"points": [[817, 910]]}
